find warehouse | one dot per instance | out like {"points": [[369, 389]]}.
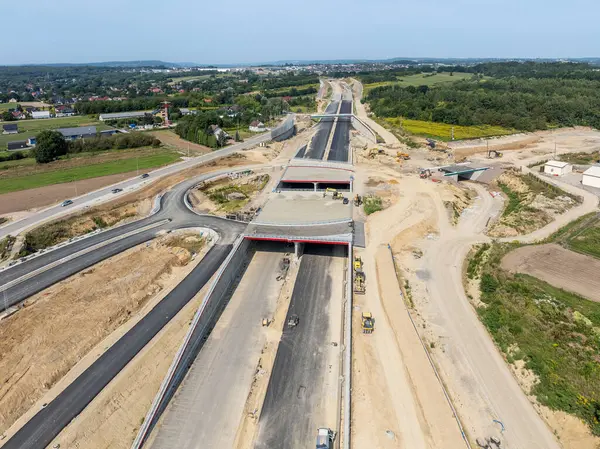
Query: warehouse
{"points": [[591, 177], [82, 132], [557, 168], [122, 115]]}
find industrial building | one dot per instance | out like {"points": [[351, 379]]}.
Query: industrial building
{"points": [[557, 168], [10, 128], [16, 145], [40, 114], [122, 115], [591, 177], [82, 132]]}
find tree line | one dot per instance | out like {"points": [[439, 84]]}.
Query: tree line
{"points": [[514, 102], [51, 145]]}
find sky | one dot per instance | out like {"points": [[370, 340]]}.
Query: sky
{"points": [[242, 31]]}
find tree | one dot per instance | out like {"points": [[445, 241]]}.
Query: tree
{"points": [[49, 146], [237, 136], [7, 116]]}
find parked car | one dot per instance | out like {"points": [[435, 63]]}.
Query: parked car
{"points": [[145, 175], [345, 201], [66, 203], [116, 190]]}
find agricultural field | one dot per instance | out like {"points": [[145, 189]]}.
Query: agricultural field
{"points": [[582, 235], [443, 131], [544, 330], [422, 79], [25, 174], [30, 128]]}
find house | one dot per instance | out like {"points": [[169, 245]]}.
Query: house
{"points": [[217, 132], [40, 114], [10, 128], [16, 145], [64, 111], [557, 168], [591, 177], [81, 132], [184, 111], [257, 127], [18, 115]]}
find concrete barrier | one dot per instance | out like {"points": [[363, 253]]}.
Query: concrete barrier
{"points": [[284, 131], [200, 328]]}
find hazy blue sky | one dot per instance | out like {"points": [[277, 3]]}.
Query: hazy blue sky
{"points": [[229, 31]]}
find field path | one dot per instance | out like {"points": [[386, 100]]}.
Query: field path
{"points": [[361, 111]]}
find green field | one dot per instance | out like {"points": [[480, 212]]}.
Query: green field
{"points": [[422, 79], [581, 235], [157, 158], [443, 131], [30, 128], [303, 86], [554, 332]]}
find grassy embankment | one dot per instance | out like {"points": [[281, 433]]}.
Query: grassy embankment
{"points": [[552, 332], [580, 158], [25, 174], [220, 195], [581, 235], [30, 128], [372, 204]]}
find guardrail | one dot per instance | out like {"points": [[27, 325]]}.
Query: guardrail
{"points": [[348, 350], [194, 337]]}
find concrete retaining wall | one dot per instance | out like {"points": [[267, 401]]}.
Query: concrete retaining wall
{"points": [[203, 323], [284, 131]]}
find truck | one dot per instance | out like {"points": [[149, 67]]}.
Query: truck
{"points": [[325, 437]]}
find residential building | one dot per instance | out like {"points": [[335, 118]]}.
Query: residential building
{"points": [[217, 131], [557, 168], [16, 145], [40, 114], [257, 127], [184, 111], [64, 111], [10, 128], [591, 177], [18, 115]]}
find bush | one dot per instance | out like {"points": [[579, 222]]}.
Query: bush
{"points": [[372, 204], [489, 284]]}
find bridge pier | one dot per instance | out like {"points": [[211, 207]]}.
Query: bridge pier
{"points": [[298, 249]]}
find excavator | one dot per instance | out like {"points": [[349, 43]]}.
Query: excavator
{"points": [[402, 156], [425, 173], [368, 323], [357, 200]]}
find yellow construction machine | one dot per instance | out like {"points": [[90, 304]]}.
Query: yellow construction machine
{"points": [[359, 283], [374, 152], [403, 156], [334, 193], [357, 200], [358, 263], [368, 323]]}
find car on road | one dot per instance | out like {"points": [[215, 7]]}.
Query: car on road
{"points": [[66, 203], [345, 201], [116, 190], [145, 175]]}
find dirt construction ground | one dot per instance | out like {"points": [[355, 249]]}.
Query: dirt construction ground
{"points": [[62, 325], [559, 267]]}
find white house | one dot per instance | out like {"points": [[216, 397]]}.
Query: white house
{"points": [[257, 127], [40, 114], [591, 177], [557, 168]]}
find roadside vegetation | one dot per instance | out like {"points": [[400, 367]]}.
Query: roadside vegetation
{"points": [[419, 79], [531, 204], [372, 204], [581, 235], [6, 245], [233, 196], [26, 175], [551, 332], [581, 158]]}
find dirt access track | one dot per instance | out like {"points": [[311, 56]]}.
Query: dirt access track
{"points": [[559, 267]]}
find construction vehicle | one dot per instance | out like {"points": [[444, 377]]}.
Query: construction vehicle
{"points": [[493, 154], [368, 323], [334, 193], [357, 200], [266, 322], [359, 283], [425, 173], [374, 152], [325, 437], [403, 156], [293, 321], [358, 263], [431, 143]]}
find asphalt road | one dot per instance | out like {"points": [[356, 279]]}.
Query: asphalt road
{"points": [[217, 385], [48, 423], [105, 194], [172, 208], [38, 432], [297, 394], [340, 142], [319, 141]]}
